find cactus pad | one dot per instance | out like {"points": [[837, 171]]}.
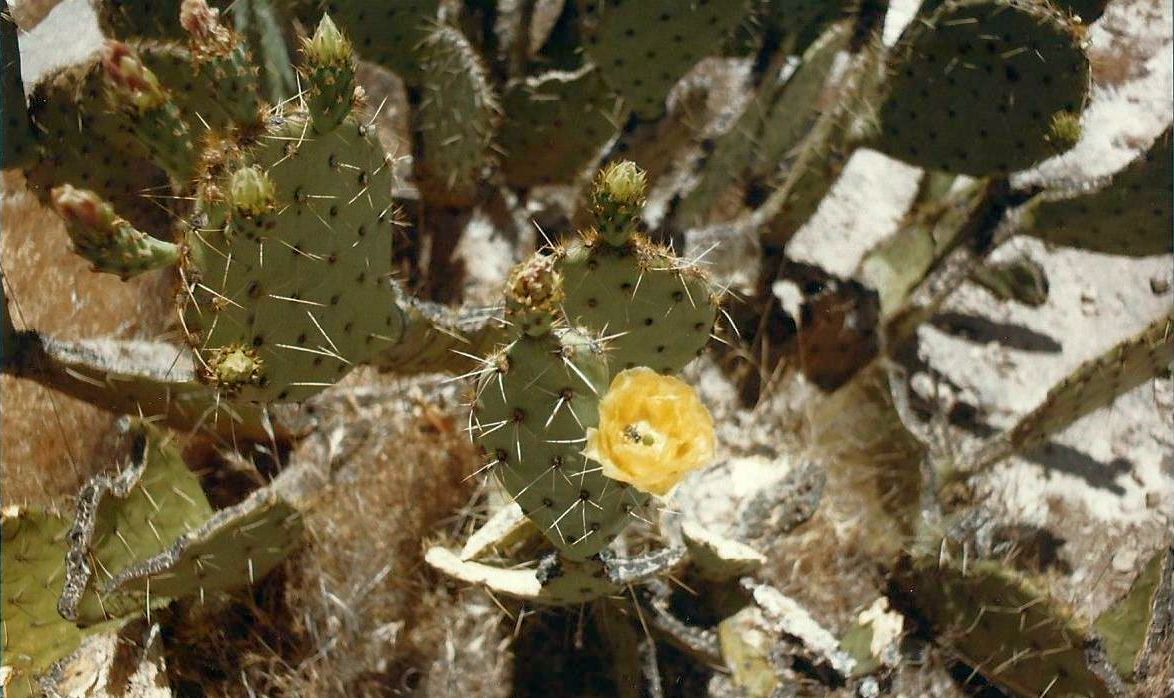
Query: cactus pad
{"points": [[1125, 625], [643, 48], [196, 98], [33, 634], [127, 518], [88, 148], [975, 87], [536, 400], [659, 308], [287, 262], [1098, 382], [1129, 216], [134, 90], [455, 120], [17, 146], [1004, 626], [234, 548], [558, 124]]}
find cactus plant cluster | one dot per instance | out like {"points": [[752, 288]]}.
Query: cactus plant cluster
{"points": [[553, 406], [232, 149]]}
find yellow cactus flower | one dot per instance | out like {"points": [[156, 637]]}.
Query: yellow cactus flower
{"points": [[652, 431]]}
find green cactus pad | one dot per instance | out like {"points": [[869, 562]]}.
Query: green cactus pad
{"points": [[1003, 625], [454, 120], [234, 548], [198, 99], [134, 90], [386, 33], [153, 379], [643, 48], [1096, 383], [221, 57], [975, 86], [259, 22], [86, 146], [32, 634], [557, 125], [127, 518], [289, 260], [1125, 625], [535, 401], [659, 308], [1130, 216]]}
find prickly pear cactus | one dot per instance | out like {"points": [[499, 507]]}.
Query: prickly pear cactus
{"points": [[1094, 384], [556, 125], [552, 414], [1129, 216], [643, 48], [1006, 627], [67, 111], [285, 273], [535, 401], [234, 548], [280, 270], [34, 635], [659, 309], [127, 518], [1126, 624], [975, 87], [455, 120]]}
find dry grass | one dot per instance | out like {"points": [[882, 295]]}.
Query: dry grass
{"points": [[864, 516], [358, 613], [52, 442]]}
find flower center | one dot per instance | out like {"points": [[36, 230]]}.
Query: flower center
{"points": [[642, 433]]}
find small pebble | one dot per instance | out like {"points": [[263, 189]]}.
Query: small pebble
{"points": [[1125, 560], [1159, 285]]}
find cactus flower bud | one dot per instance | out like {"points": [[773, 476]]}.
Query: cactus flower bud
{"points": [[534, 295], [130, 77], [111, 243], [622, 183], [233, 366], [251, 191], [653, 430], [203, 24], [83, 207], [328, 46], [616, 200]]}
